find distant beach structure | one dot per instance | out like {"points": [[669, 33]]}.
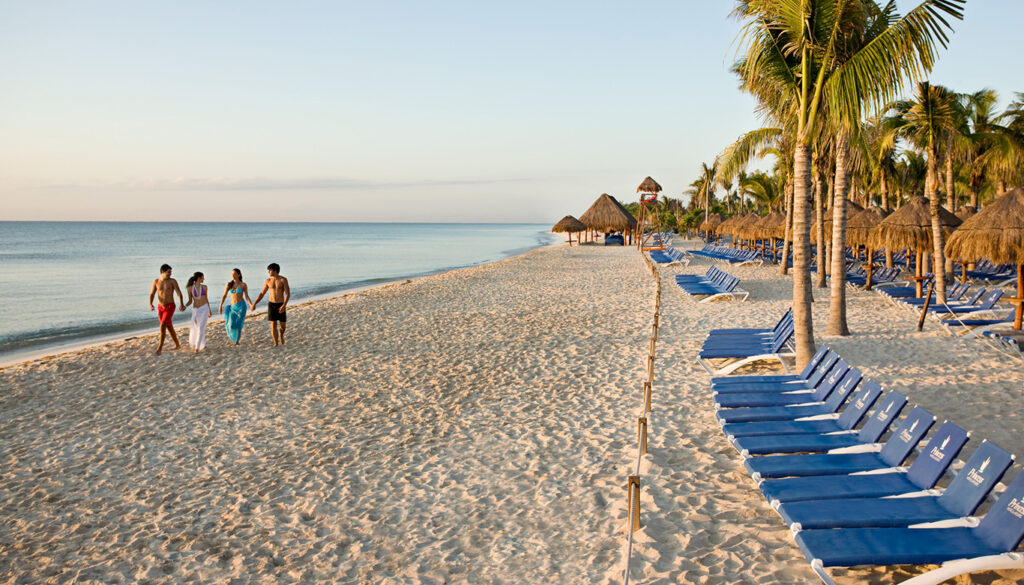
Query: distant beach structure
{"points": [[608, 215], [569, 225]]}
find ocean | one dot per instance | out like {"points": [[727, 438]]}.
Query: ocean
{"points": [[68, 283]]}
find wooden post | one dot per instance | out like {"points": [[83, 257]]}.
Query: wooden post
{"points": [[927, 301], [633, 502], [871, 267], [642, 434], [1019, 301], [918, 274], [963, 273], [647, 397]]}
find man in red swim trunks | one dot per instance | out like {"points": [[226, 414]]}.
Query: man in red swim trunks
{"points": [[163, 289]]}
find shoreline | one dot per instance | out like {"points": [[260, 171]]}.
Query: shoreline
{"points": [[47, 352]]}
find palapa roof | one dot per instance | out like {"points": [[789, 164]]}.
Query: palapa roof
{"points": [[569, 224], [860, 225], [607, 214], [769, 226], [965, 212], [910, 227], [996, 232], [713, 221], [725, 226], [649, 186], [744, 226]]}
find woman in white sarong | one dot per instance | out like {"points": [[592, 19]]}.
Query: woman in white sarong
{"points": [[201, 311]]}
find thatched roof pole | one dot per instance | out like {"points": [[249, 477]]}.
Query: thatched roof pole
{"points": [[996, 233], [608, 215], [910, 228], [569, 224]]}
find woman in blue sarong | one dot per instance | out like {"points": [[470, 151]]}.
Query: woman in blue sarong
{"points": [[234, 317]]}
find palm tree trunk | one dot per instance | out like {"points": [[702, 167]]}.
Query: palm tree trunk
{"points": [[803, 325], [939, 264], [884, 187], [788, 235], [837, 300], [829, 202], [950, 185], [819, 229]]}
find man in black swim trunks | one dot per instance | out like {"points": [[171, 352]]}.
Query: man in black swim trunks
{"points": [[280, 293]]}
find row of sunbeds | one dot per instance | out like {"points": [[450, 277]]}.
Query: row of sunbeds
{"points": [[715, 284], [848, 495]]}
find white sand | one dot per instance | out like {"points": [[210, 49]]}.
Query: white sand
{"points": [[470, 427], [462, 428]]}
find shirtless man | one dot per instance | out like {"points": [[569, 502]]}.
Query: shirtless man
{"points": [[163, 289], [276, 302]]}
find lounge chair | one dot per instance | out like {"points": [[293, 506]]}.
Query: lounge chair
{"points": [[988, 545], [842, 378], [954, 309], [965, 493], [849, 460], [746, 351], [844, 421], [927, 469], [810, 384], [819, 443]]}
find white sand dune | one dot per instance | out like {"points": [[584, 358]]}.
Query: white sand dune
{"points": [[470, 427]]}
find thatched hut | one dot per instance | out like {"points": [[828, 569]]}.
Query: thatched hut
{"points": [[711, 223], [608, 215], [744, 227], [910, 228], [569, 225], [996, 232], [858, 229]]}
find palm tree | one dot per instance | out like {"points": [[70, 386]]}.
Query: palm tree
{"points": [[791, 48], [704, 187], [926, 121]]}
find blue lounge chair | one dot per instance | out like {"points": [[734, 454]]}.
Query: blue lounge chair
{"points": [[955, 309], [989, 545], [846, 461], [840, 422], [866, 396], [742, 352], [843, 378], [787, 317], [926, 470], [810, 384], [963, 496], [826, 400]]}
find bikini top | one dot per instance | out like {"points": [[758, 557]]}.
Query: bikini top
{"points": [[202, 291], [236, 291]]}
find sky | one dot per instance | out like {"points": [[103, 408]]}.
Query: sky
{"points": [[383, 111]]}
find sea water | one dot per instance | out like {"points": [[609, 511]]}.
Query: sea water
{"points": [[71, 282]]}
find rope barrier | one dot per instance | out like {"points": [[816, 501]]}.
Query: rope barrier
{"points": [[633, 480]]}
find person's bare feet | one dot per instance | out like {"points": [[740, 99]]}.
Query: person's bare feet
{"points": [[159, 350]]}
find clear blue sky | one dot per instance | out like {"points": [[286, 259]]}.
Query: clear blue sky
{"points": [[382, 111]]}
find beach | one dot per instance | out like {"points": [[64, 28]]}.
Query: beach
{"points": [[475, 426]]}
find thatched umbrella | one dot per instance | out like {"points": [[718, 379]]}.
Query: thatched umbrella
{"points": [[858, 229], [744, 227], [996, 232], [965, 212], [608, 215], [569, 224], [766, 228], [711, 224], [910, 228]]}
